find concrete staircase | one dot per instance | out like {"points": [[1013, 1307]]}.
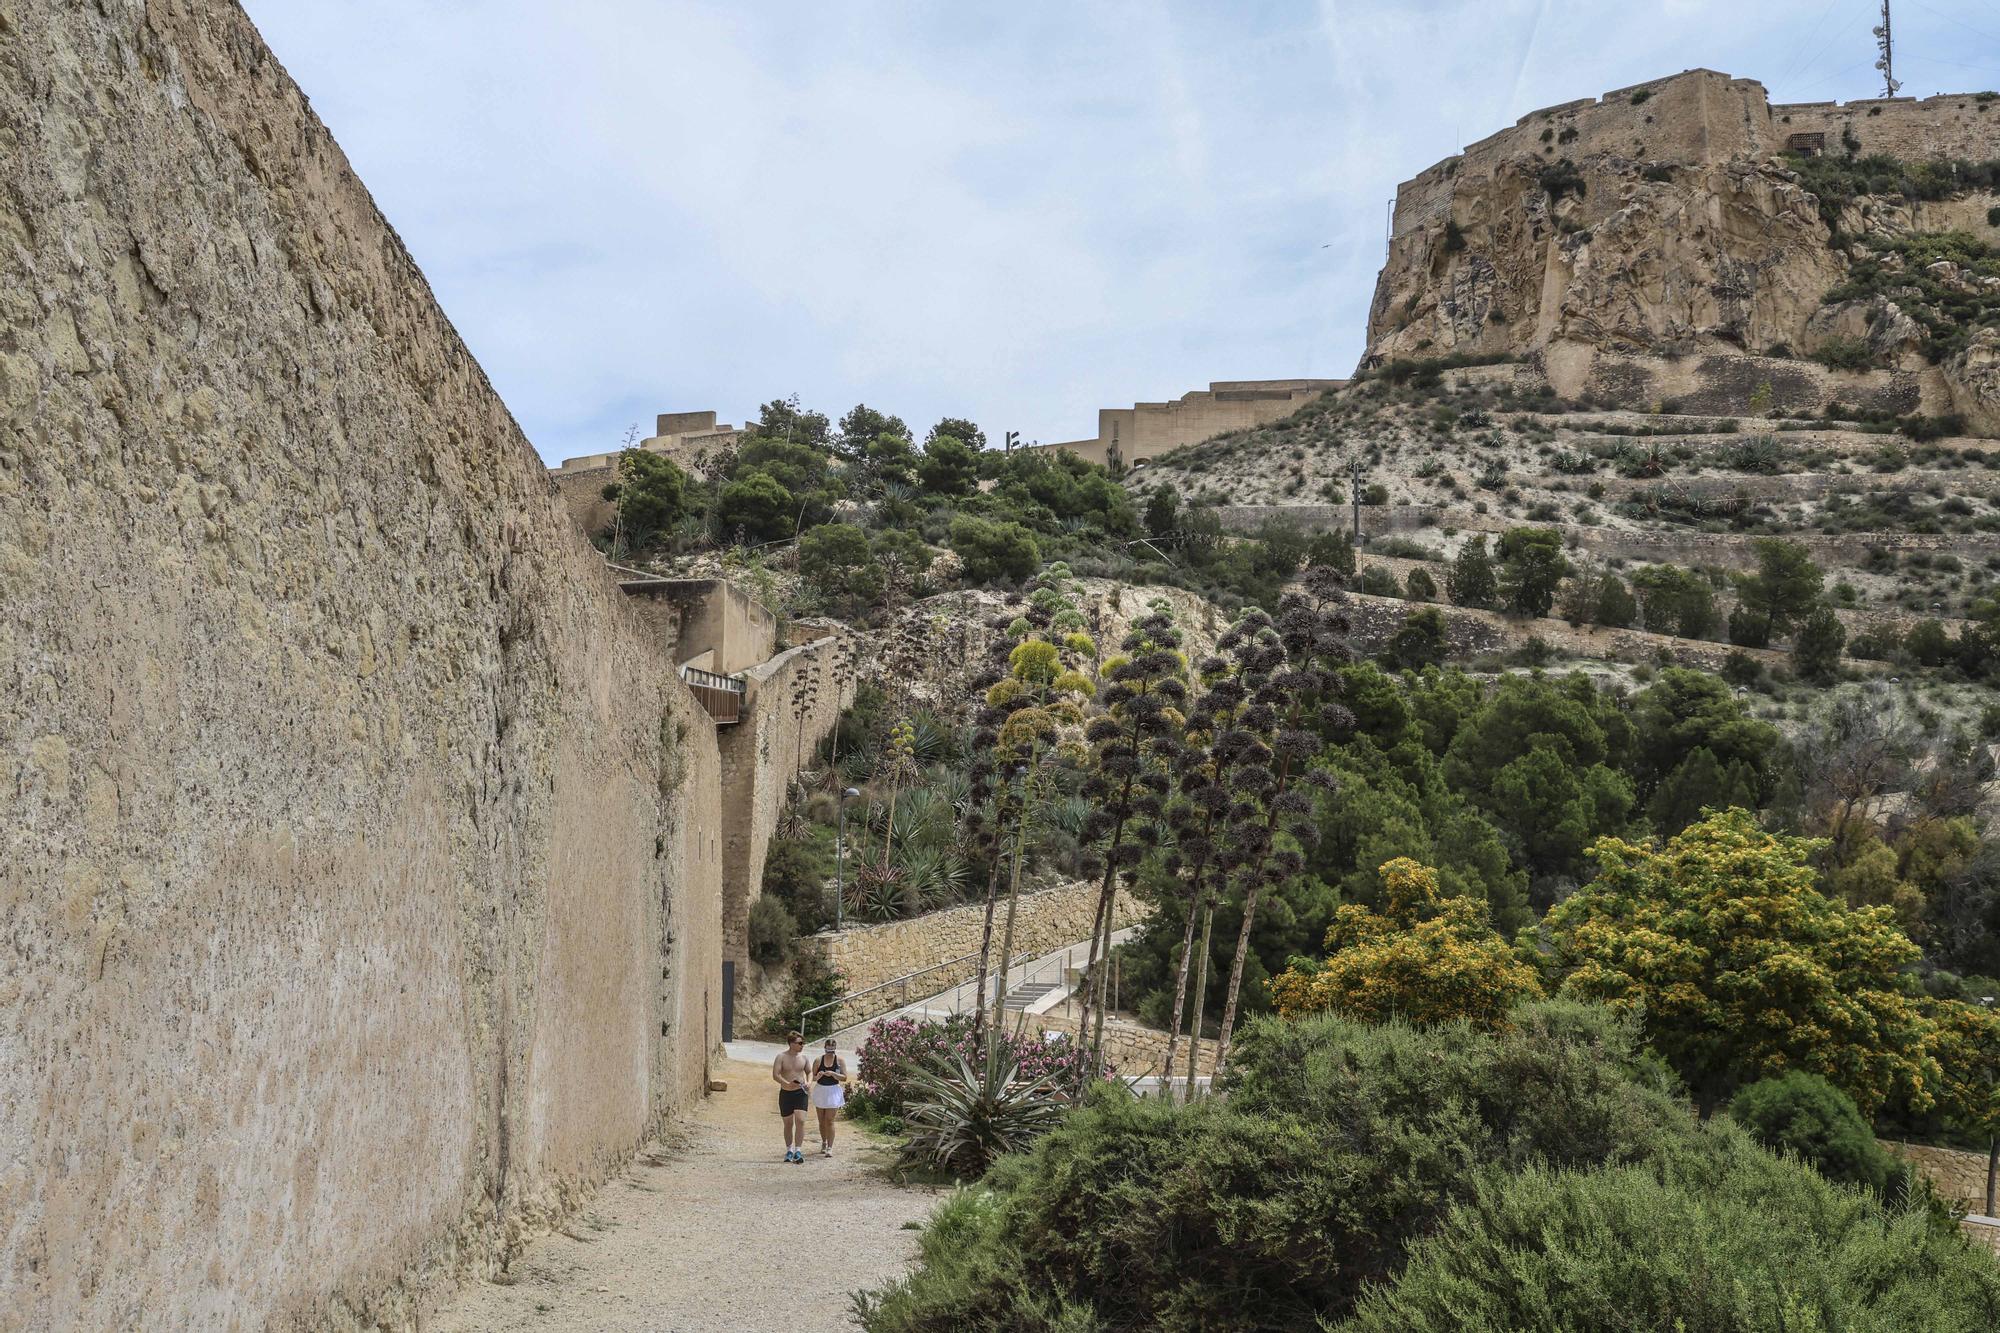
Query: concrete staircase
{"points": [[1023, 997]]}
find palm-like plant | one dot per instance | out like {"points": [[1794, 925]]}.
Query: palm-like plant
{"points": [[963, 1116], [935, 877]]}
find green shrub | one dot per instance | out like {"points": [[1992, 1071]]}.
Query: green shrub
{"points": [[1721, 1237], [773, 932], [757, 506], [1806, 1116], [1839, 353], [994, 552], [1338, 1146], [1378, 581]]}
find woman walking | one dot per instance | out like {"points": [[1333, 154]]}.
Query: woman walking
{"points": [[829, 1093]]}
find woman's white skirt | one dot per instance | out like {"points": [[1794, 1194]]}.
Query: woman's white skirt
{"points": [[828, 1096]]}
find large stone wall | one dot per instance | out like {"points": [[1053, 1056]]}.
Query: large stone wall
{"points": [[867, 956], [359, 853], [759, 756], [1952, 125], [1147, 430]]}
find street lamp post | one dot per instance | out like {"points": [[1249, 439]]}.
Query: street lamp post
{"points": [[839, 855]]}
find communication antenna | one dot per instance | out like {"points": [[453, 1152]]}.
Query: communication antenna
{"points": [[1886, 64]]}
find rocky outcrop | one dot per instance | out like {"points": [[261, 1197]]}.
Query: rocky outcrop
{"points": [[1614, 234], [358, 847]]}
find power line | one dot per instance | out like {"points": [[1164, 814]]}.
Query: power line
{"points": [[1951, 18], [1799, 50]]}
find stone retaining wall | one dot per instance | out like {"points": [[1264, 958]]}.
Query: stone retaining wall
{"points": [[1958, 1175], [870, 955], [1134, 1051]]}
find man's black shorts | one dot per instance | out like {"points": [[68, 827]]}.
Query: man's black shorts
{"points": [[790, 1100]]}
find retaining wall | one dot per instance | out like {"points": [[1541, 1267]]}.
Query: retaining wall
{"points": [[1046, 921], [1134, 1051], [359, 856]]}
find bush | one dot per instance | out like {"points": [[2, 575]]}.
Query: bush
{"points": [[1739, 668], [815, 982], [1338, 1146], [773, 932], [1722, 1238], [1806, 1116], [994, 552], [1378, 581], [758, 506], [971, 1111], [1747, 628], [796, 875], [1844, 354]]}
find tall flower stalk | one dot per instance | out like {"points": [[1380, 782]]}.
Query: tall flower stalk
{"points": [[1134, 741]]}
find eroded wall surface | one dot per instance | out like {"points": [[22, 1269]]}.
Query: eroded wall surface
{"points": [[359, 854]]}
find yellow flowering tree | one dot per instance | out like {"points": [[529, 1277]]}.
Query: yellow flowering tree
{"points": [[1423, 958], [1967, 1049], [1741, 969]]}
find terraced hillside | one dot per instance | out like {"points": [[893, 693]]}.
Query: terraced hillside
{"points": [[1902, 517]]}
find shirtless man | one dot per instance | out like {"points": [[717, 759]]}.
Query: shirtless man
{"points": [[788, 1071]]}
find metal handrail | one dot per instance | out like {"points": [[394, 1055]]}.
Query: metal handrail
{"points": [[904, 982], [711, 680]]}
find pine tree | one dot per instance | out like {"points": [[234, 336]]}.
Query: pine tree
{"points": [[1784, 589], [1816, 648], [1471, 581], [1615, 606]]}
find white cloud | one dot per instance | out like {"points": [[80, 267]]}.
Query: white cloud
{"points": [[1014, 212]]}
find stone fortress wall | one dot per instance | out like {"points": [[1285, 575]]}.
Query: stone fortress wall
{"points": [[1701, 116], [759, 757], [1147, 430], [685, 437], [360, 855]]}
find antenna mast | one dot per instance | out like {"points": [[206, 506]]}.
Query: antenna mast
{"points": [[1886, 64]]}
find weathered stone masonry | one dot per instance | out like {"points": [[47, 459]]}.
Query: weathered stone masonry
{"points": [[360, 857]]}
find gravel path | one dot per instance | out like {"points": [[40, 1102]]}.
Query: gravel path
{"points": [[712, 1231]]}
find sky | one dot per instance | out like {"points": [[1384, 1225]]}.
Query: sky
{"points": [[1016, 212]]}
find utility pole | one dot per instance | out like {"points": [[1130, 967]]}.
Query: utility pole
{"points": [[1013, 438], [1886, 64], [1354, 492]]}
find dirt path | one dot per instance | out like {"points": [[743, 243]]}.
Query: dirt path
{"points": [[712, 1231]]}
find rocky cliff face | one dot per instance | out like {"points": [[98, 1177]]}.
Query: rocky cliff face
{"points": [[358, 850], [1612, 253], [1611, 266]]}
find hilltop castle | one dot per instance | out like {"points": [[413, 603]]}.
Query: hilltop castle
{"points": [[1650, 243]]}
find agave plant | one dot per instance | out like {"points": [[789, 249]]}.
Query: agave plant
{"points": [[962, 1116], [936, 877], [931, 741], [880, 893]]}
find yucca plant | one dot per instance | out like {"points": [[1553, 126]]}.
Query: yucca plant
{"points": [[879, 893], [962, 1116], [934, 876]]}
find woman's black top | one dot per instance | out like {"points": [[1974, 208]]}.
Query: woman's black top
{"points": [[829, 1074]]}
